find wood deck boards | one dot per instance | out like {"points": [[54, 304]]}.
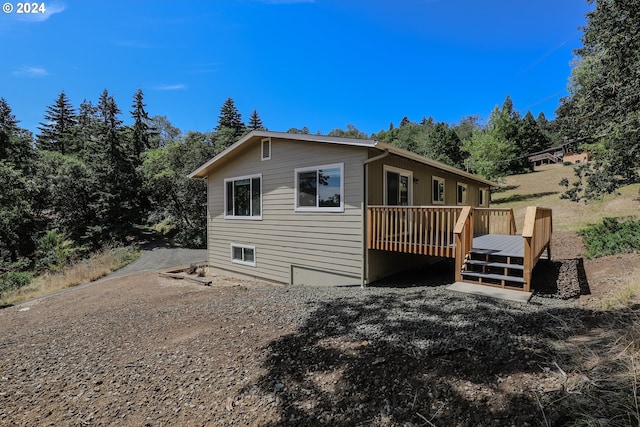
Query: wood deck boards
{"points": [[499, 244]]}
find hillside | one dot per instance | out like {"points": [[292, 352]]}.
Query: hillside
{"points": [[541, 188]]}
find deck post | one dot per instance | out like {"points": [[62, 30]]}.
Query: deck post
{"points": [[462, 244], [528, 261]]}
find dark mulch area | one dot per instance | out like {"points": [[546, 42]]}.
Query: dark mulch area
{"points": [[560, 278]]}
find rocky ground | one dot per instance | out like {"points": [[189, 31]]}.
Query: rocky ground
{"points": [[152, 351]]}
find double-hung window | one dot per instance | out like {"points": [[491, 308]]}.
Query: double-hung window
{"points": [[320, 188], [243, 197]]}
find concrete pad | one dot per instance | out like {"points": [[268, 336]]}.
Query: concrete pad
{"points": [[490, 291]]}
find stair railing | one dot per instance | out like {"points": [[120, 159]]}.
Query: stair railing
{"points": [[538, 227], [463, 236]]}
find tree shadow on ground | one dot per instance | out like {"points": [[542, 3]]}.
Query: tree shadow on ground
{"points": [[400, 357], [522, 197], [504, 188]]}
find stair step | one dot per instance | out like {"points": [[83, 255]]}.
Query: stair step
{"points": [[495, 264], [490, 252], [480, 275]]}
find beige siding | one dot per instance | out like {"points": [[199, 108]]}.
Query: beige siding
{"points": [[422, 187], [326, 241]]}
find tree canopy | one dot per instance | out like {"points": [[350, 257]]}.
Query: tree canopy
{"points": [[602, 110]]}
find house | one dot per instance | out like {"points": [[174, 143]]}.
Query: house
{"points": [[576, 158], [310, 209]]}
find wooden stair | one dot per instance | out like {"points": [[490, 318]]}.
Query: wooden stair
{"points": [[504, 270]]}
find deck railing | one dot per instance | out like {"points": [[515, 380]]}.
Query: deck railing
{"points": [[448, 231], [463, 233], [536, 233], [494, 221], [425, 230]]}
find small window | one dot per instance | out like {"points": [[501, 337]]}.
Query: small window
{"points": [[482, 197], [243, 197], [461, 197], [437, 190], [319, 188], [243, 254], [266, 149]]}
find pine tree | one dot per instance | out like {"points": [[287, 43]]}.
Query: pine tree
{"points": [[141, 128], [230, 118], [255, 122], [8, 126], [531, 136], [56, 132], [15, 143]]}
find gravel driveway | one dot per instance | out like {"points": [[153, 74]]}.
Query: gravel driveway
{"points": [[145, 350], [157, 258]]}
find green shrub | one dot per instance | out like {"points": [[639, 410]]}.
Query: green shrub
{"points": [[192, 238], [611, 236], [12, 280]]}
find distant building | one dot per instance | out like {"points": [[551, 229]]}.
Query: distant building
{"points": [[576, 158]]}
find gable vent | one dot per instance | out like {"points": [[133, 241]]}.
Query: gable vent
{"points": [[266, 148]]}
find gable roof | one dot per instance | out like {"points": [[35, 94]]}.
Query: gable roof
{"points": [[203, 170]]}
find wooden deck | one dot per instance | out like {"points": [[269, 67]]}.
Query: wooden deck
{"points": [[464, 233]]}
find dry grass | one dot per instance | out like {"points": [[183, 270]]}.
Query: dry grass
{"points": [[98, 265], [542, 188], [600, 371], [599, 363]]}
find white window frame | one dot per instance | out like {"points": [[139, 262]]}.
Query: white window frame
{"points": [[247, 217], [264, 141], [242, 261], [318, 208], [444, 190], [407, 173], [464, 202]]}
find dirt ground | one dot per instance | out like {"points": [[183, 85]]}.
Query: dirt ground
{"points": [[150, 351]]}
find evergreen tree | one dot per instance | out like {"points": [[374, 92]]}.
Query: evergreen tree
{"points": [[504, 124], [255, 122], [531, 136], [603, 106], [108, 112], [445, 146], [8, 126], [88, 124], [141, 129], [57, 131], [16, 144], [231, 119]]}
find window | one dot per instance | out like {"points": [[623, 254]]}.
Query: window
{"points": [[482, 197], [437, 195], [243, 254], [319, 188], [243, 197], [461, 197], [266, 149], [398, 186]]}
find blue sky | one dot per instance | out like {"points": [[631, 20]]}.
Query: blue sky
{"points": [[321, 64]]}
